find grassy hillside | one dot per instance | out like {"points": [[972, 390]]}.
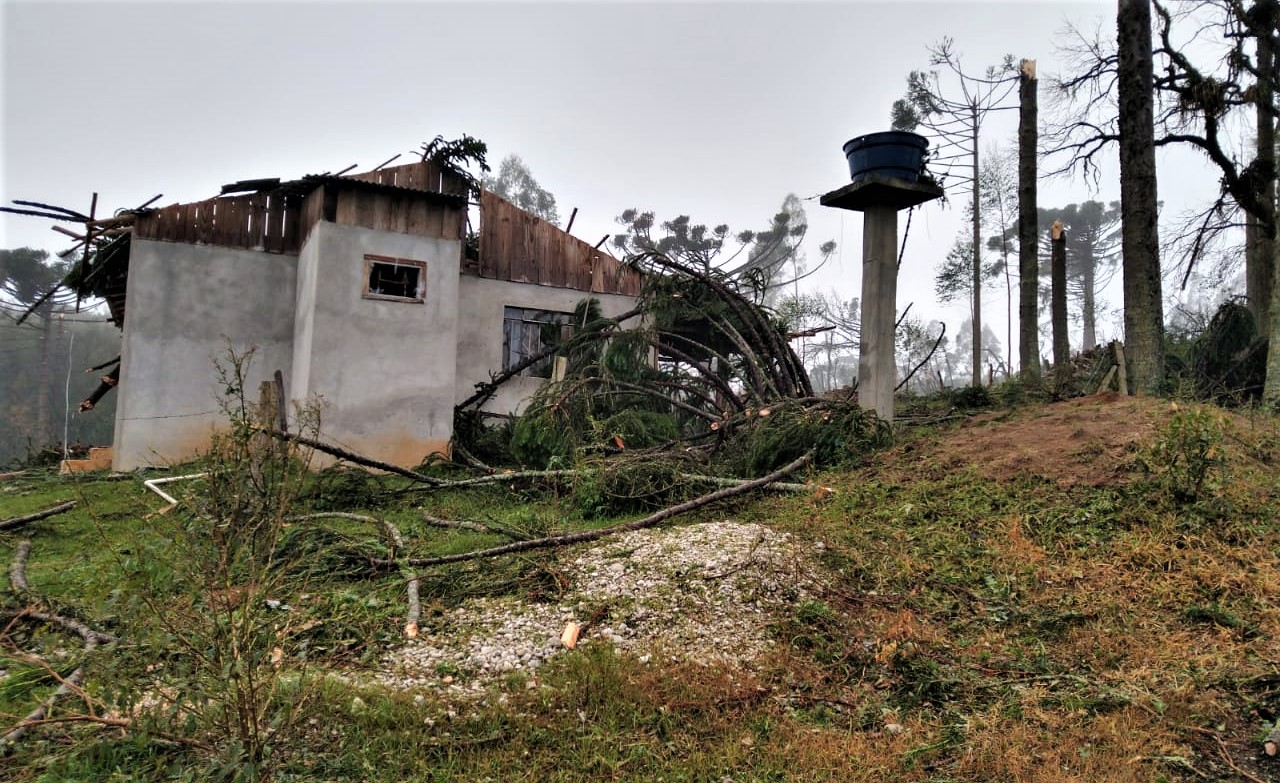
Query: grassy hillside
{"points": [[1082, 591]]}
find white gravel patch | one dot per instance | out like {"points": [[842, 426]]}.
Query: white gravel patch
{"points": [[703, 593]]}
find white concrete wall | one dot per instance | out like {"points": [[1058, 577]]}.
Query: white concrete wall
{"points": [[480, 309], [382, 371], [186, 305]]}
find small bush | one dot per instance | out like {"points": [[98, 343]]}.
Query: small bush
{"points": [[625, 485], [539, 438], [971, 398], [1188, 456]]}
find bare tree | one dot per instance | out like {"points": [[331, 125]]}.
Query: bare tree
{"points": [[1000, 199], [1197, 107], [953, 115]]}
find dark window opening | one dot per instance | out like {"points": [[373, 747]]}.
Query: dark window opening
{"points": [[528, 332], [395, 279]]}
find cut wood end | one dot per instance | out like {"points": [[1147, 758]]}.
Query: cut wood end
{"points": [[1270, 748], [1056, 232], [411, 630], [277, 656], [570, 636]]}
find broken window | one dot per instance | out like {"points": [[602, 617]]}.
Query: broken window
{"points": [[528, 332], [395, 279]]}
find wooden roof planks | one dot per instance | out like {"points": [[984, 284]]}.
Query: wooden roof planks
{"points": [[521, 248]]}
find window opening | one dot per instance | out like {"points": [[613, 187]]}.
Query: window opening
{"points": [[528, 332], [395, 279]]}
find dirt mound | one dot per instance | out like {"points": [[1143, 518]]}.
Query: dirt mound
{"points": [[1087, 440]]}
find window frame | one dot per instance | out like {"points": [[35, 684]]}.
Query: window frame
{"points": [[544, 369], [372, 259]]}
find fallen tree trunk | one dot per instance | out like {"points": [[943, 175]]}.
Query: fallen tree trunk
{"points": [[475, 527], [565, 539], [61, 508]]}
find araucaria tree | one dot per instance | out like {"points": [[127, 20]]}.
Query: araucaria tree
{"points": [[1093, 255], [756, 260], [953, 115]]}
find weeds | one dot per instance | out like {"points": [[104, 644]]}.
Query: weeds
{"points": [[220, 612]]}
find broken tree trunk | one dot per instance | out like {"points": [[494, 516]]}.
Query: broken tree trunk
{"points": [[394, 542], [1028, 227], [18, 570], [1058, 294], [1122, 375]]}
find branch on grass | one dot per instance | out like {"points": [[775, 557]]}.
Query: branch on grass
{"points": [[475, 527], [413, 612], [71, 684], [468, 458], [566, 539], [61, 508], [352, 457], [121, 723], [498, 478], [394, 542]]}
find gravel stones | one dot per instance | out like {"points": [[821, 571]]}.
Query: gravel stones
{"points": [[702, 593]]}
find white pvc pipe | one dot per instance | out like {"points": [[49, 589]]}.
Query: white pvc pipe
{"points": [[151, 485]]}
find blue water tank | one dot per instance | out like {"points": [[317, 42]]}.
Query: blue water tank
{"points": [[897, 154]]}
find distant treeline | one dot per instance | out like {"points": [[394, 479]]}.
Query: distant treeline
{"points": [[44, 379]]}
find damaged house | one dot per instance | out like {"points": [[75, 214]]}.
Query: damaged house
{"points": [[360, 290]]}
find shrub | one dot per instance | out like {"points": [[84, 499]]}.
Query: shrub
{"points": [[1187, 457], [971, 397]]}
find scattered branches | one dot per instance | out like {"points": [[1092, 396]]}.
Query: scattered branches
{"points": [[566, 539], [72, 683]]}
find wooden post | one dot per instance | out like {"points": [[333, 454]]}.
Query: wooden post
{"points": [[1028, 226], [282, 423], [1122, 375], [1106, 380]]}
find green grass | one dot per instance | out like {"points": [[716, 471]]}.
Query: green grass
{"points": [[972, 630]]}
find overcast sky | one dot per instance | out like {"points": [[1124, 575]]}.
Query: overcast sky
{"points": [[714, 110]]}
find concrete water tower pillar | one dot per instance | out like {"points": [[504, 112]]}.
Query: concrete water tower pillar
{"points": [[882, 186]]}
